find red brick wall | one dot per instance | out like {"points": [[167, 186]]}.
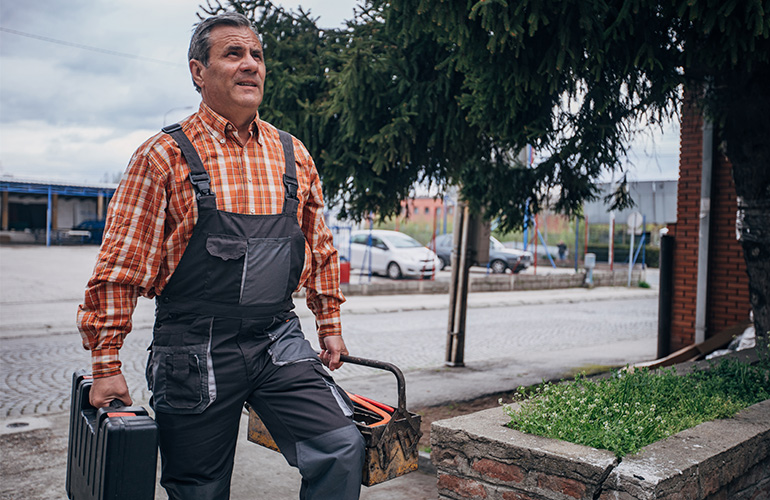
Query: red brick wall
{"points": [[728, 285]]}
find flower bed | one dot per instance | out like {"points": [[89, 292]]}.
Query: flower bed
{"points": [[478, 457]]}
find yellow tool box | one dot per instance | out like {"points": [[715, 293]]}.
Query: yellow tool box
{"points": [[391, 434]]}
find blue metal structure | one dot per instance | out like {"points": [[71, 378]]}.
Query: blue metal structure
{"points": [[49, 189]]}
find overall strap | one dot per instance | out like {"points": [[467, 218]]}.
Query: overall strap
{"points": [[290, 184], [198, 176]]}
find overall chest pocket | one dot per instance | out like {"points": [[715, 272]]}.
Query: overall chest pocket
{"points": [[248, 271]]}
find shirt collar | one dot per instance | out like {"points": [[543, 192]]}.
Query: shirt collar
{"points": [[220, 126]]}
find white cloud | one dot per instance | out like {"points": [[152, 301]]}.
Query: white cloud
{"points": [[75, 153], [77, 114]]}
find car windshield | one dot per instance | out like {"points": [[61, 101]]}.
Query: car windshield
{"points": [[403, 241], [496, 244]]}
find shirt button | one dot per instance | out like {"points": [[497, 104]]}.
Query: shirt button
{"points": [[221, 141], [251, 211]]}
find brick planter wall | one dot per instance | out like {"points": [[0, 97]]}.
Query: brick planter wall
{"points": [[477, 457]]}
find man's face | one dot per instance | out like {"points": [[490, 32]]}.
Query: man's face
{"points": [[233, 83]]}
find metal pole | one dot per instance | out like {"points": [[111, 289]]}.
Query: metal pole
{"points": [[536, 230], [644, 249], [48, 216], [577, 237], [665, 294], [631, 256], [526, 225], [612, 242], [704, 228], [459, 297]]}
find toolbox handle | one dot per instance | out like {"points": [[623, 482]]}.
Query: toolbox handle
{"points": [[401, 413], [382, 365]]}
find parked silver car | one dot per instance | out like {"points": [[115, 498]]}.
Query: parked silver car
{"points": [[500, 257], [392, 254]]}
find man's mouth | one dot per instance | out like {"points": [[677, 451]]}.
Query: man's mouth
{"points": [[247, 84]]}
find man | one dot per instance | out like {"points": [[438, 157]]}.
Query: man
{"points": [[221, 219]]}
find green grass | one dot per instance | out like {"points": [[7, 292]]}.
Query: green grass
{"points": [[630, 410]]}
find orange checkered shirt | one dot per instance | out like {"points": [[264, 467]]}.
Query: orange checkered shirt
{"points": [[151, 217]]}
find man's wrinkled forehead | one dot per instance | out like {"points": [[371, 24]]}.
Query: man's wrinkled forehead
{"points": [[235, 37]]}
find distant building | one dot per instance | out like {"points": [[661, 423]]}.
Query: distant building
{"points": [[424, 209], [655, 200], [35, 210]]}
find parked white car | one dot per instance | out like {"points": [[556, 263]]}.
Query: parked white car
{"points": [[392, 254]]}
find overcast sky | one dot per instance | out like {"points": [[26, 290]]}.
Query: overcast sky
{"points": [[76, 114]]}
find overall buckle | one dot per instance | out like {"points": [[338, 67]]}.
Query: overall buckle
{"points": [[202, 183]]}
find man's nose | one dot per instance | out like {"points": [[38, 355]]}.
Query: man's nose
{"points": [[249, 63]]}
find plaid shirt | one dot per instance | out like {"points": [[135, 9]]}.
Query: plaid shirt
{"points": [[151, 217]]}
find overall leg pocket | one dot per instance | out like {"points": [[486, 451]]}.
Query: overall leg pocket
{"points": [[180, 369], [340, 396], [288, 343], [182, 379]]}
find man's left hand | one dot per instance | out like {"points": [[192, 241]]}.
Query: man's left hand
{"points": [[331, 348]]}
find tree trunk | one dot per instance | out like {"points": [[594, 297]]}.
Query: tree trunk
{"points": [[753, 225], [746, 134]]}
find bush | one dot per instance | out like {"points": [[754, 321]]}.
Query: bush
{"points": [[633, 409]]}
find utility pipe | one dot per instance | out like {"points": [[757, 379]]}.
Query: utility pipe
{"points": [[707, 165]]}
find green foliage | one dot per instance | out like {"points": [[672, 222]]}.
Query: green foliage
{"points": [[378, 115], [630, 410], [441, 92], [577, 78], [399, 122]]}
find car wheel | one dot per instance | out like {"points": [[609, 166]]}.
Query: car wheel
{"points": [[498, 266], [442, 264], [394, 272]]}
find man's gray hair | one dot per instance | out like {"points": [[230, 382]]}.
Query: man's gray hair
{"points": [[200, 43]]}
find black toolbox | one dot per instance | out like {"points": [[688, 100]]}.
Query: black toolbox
{"points": [[112, 451]]}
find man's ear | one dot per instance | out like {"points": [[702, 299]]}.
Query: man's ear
{"points": [[196, 70]]}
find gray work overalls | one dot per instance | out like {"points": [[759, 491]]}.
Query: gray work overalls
{"points": [[225, 334]]}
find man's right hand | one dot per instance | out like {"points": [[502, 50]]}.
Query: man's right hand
{"points": [[106, 389]]}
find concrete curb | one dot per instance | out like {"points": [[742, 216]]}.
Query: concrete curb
{"points": [[425, 465]]}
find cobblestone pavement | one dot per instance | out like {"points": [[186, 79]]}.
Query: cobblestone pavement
{"points": [[35, 373], [39, 347]]}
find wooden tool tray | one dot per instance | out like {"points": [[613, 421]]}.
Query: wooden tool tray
{"points": [[391, 443]]}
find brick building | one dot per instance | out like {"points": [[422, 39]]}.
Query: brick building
{"points": [[727, 285], [424, 209]]}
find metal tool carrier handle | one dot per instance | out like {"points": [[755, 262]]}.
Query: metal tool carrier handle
{"points": [[382, 365]]}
